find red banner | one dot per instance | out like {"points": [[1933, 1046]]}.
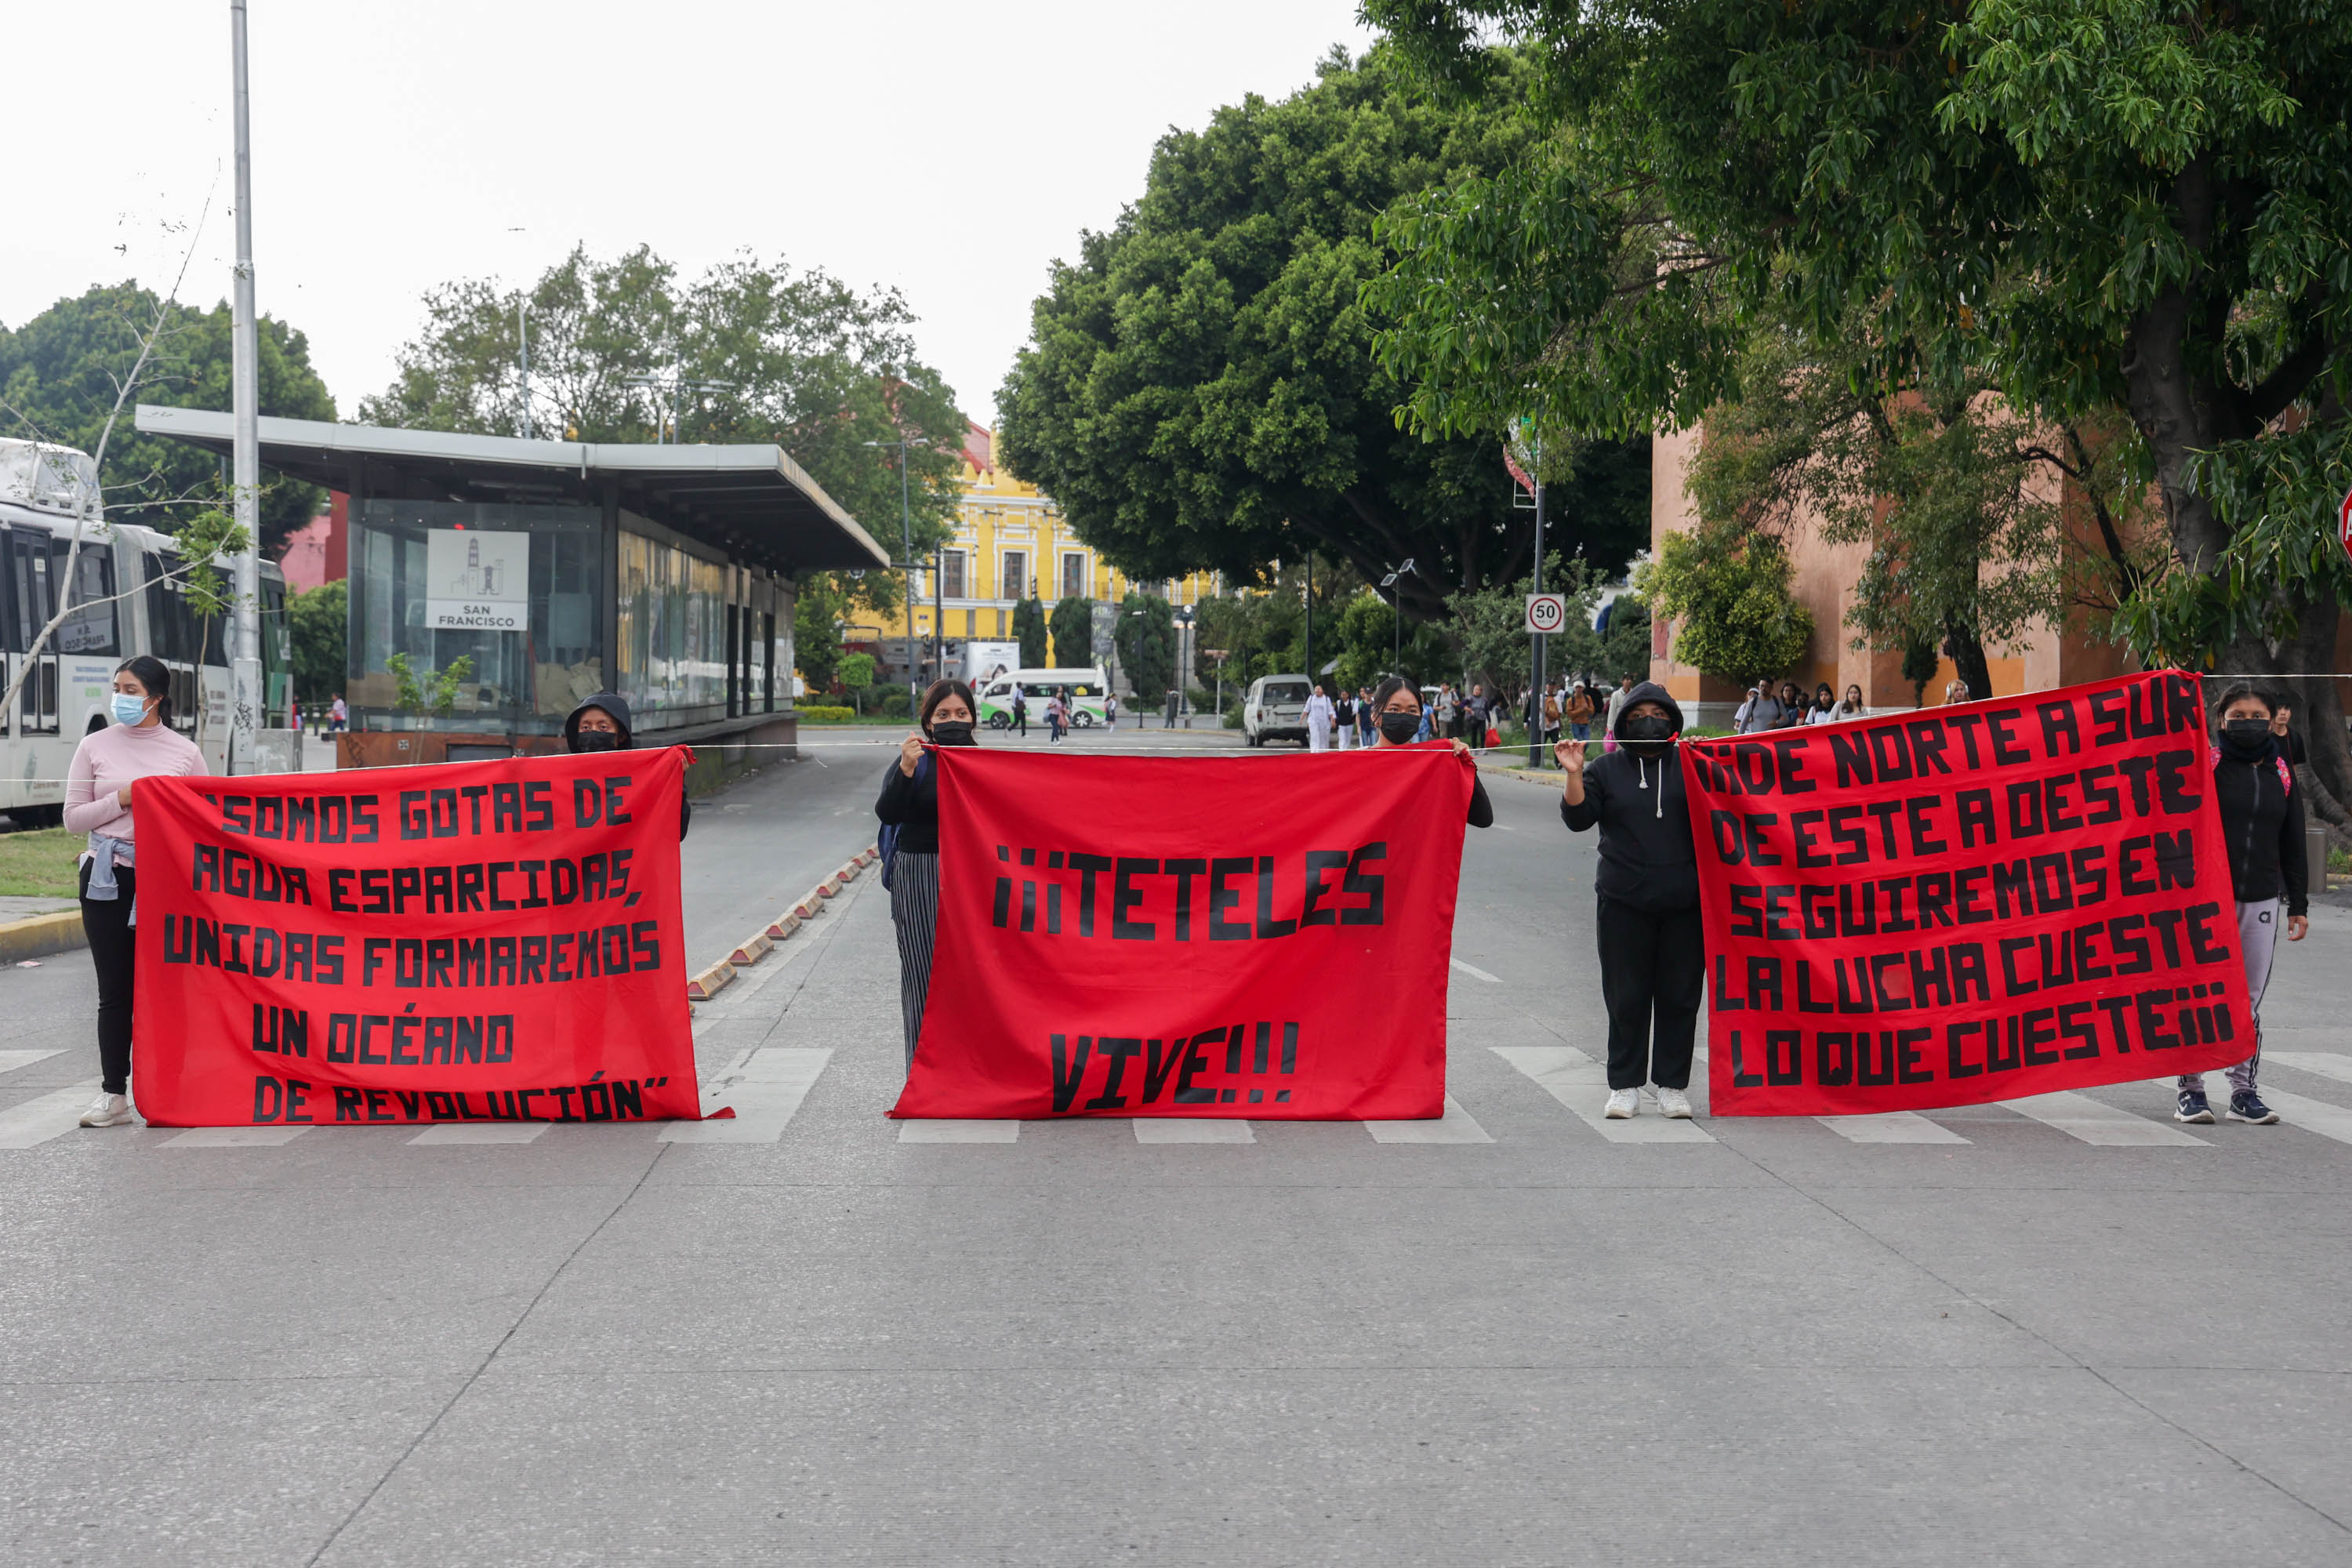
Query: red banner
{"points": [[475, 942], [1966, 904], [1228, 936]]}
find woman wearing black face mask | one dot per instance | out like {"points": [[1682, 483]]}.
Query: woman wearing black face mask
{"points": [[602, 724], [2262, 826], [1396, 710], [1652, 955], [910, 806]]}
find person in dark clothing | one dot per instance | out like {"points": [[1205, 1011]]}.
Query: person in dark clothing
{"points": [[602, 724], [2262, 829], [1396, 710], [910, 802], [1653, 954]]}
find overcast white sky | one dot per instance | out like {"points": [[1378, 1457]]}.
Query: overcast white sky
{"points": [[952, 151]]}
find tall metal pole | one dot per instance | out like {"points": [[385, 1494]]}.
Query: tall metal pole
{"points": [[1536, 691], [907, 555], [244, 383], [1311, 681], [522, 326]]}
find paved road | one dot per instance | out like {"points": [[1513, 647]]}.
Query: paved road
{"points": [[1540, 1341]]}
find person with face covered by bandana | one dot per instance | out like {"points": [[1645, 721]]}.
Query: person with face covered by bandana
{"points": [[911, 803], [1397, 718], [2262, 830], [1652, 955], [602, 724]]}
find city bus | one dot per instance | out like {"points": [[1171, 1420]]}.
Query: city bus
{"points": [[1082, 689], [124, 599]]}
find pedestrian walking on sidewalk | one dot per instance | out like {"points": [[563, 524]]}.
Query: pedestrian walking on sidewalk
{"points": [[1319, 719], [602, 724], [140, 744], [910, 804], [2262, 826], [1019, 711], [1057, 717], [1399, 721], [1617, 700], [1653, 957]]}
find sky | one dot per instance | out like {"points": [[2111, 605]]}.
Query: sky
{"points": [[952, 152]]}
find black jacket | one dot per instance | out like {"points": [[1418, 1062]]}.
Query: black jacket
{"points": [[912, 807], [1646, 858], [2262, 825], [616, 707]]}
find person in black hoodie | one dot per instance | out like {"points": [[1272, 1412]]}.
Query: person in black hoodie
{"points": [[2262, 829], [909, 804], [602, 724], [1653, 952]]}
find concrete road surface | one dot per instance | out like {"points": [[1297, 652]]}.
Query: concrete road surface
{"points": [[2062, 1333]]}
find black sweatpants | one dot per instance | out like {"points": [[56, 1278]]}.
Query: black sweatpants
{"points": [[1652, 973], [106, 922]]}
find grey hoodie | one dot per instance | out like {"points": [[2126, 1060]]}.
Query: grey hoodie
{"points": [[1646, 856]]}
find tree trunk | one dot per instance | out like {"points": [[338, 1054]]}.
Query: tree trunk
{"points": [[2318, 713], [1969, 658]]}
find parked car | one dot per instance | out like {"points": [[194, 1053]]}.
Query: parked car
{"points": [[1276, 709]]}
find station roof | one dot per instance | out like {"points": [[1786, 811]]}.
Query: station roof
{"points": [[753, 502]]}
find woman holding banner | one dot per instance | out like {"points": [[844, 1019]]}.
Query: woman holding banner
{"points": [[909, 810], [2262, 826], [602, 724], [1652, 948], [1396, 707], [140, 744]]}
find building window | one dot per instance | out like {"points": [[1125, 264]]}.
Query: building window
{"points": [[1000, 625], [1017, 574], [972, 623], [1074, 574], [951, 582]]}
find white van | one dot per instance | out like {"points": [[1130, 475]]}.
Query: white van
{"points": [[1276, 709], [1082, 690]]}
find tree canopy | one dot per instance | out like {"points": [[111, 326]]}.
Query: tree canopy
{"points": [[57, 381], [1199, 391]]}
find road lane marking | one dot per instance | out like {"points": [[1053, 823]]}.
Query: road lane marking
{"points": [[1454, 1127], [766, 1093], [1192, 1130], [956, 1130], [53, 1115], [2096, 1122], [1890, 1127], [1474, 973], [11, 1060], [1581, 1084], [481, 1132], [235, 1137], [2327, 1064], [2311, 1115]]}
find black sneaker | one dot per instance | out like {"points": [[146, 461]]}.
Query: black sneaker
{"points": [[2247, 1106], [2192, 1108]]}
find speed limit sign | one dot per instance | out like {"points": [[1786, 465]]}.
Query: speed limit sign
{"points": [[1547, 612]]}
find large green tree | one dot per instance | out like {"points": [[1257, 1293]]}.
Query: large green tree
{"points": [[1199, 391], [2132, 205], [59, 373]]}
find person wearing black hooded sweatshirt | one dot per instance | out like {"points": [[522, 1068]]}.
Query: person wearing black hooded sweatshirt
{"points": [[1653, 952], [602, 724]]}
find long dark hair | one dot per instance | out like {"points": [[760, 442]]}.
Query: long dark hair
{"points": [[151, 673], [1390, 688], [2236, 689], [939, 692]]}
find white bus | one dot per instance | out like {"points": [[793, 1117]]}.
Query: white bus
{"points": [[124, 601], [1082, 689]]}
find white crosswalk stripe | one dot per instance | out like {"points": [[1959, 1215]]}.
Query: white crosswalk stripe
{"points": [[1581, 1084], [481, 1132], [2327, 1064], [949, 1131], [1454, 1127], [766, 1091], [11, 1060], [1474, 973], [35, 1122], [2096, 1122], [235, 1137], [1192, 1130], [1890, 1127], [2311, 1115]]}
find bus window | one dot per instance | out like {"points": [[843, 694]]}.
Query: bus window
{"points": [[89, 627], [28, 586]]}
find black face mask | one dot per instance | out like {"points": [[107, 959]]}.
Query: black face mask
{"points": [[2246, 739], [1647, 735], [951, 732], [595, 741], [1399, 728]]}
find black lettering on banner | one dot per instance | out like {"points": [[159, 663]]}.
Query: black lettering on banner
{"points": [[1221, 898], [1124, 897]]}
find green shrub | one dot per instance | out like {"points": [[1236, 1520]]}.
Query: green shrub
{"points": [[896, 703], [826, 715]]}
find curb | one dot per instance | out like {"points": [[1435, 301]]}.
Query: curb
{"points": [[36, 935], [702, 987]]}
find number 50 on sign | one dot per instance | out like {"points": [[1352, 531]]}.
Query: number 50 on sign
{"points": [[1547, 612]]}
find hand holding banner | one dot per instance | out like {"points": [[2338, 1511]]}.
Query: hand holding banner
{"points": [[474, 941], [1966, 904]]}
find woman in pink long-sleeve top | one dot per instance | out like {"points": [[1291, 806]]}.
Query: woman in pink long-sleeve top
{"points": [[140, 744]]}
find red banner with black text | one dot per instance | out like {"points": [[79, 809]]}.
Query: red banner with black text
{"points": [[1225, 936], [1966, 904], [475, 942]]}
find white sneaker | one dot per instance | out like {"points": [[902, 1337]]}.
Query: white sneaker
{"points": [[1623, 1104], [108, 1110], [1674, 1103]]}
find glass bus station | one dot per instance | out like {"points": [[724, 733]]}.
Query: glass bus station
{"points": [[557, 569]]}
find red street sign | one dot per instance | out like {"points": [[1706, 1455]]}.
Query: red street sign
{"points": [[2344, 523]]}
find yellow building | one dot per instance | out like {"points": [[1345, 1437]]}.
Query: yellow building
{"points": [[1012, 542]]}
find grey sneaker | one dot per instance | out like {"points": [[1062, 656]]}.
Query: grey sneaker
{"points": [[108, 1110], [1673, 1103], [1623, 1104]]}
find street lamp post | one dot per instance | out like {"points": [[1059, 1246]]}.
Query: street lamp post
{"points": [[1393, 583], [1183, 690], [244, 401], [905, 562]]}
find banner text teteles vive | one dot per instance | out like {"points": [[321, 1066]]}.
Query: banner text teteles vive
{"points": [[1965, 904], [479, 941]]}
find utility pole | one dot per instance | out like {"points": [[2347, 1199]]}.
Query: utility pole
{"points": [[522, 329], [1311, 681], [1536, 691], [907, 559], [245, 698], [1394, 583]]}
